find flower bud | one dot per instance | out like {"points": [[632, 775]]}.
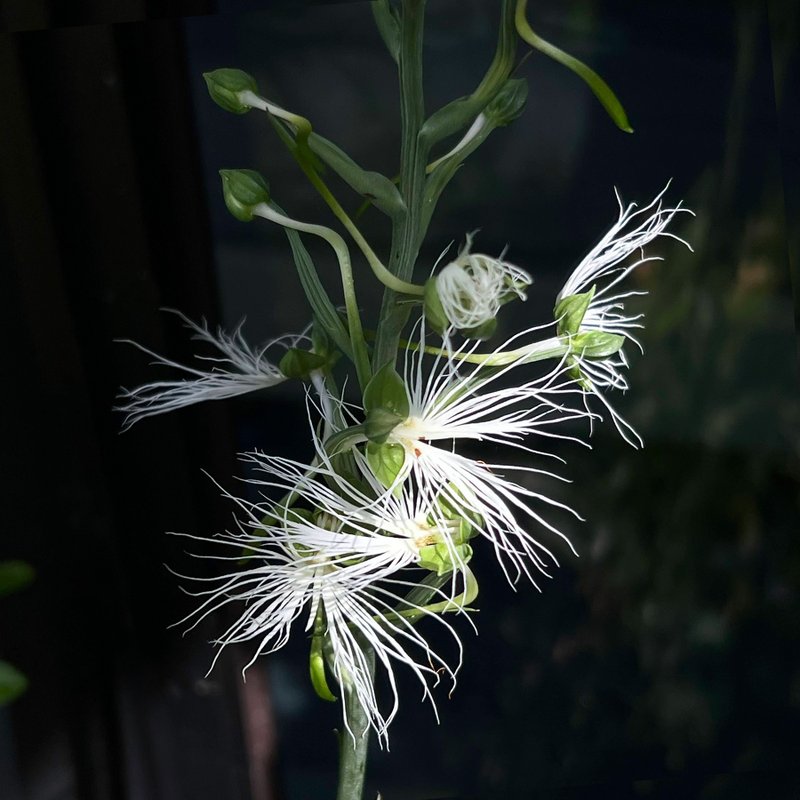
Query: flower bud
{"points": [[225, 87], [297, 363], [509, 102], [243, 190]]}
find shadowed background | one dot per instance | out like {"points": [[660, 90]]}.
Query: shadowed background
{"points": [[661, 663]]}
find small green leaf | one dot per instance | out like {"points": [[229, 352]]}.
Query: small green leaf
{"points": [[601, 89], [14, 575], [388, 26], [386, 461], [224, 86], [297, 363], [243, 190], [570, 311], [12, 683], [597, 344], [379, 423]]}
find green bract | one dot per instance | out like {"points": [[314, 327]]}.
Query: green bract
{"points": [[509, 102], [434, 311], [570, 311], [224, 86], [243, 190]]}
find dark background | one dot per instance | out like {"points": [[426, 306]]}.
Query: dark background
{"points": [[663, 663]]}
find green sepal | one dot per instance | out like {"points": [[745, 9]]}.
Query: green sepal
{"points": [[243, 190], [12, 683], [379, 423], [224, 86], [14, 575], [570, 311], [434, 311], [481, 332], [385, 403], [509, 103], [441, 559], [376, 188], [297, 363], [470, 523], [386, 462], [597, 344]]}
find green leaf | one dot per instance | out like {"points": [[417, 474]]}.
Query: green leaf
{"points": [[324, 310], [570, 311], [509, 103], [388, 26], [12, 683], [386, 461], [224, 86], [379, 423], [243, 190], [297, 363], [376, 188], [601, 89], [597, 344], [14, 575]]}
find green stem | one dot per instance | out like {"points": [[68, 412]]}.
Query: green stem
{"points": [[353, 752], [413, 159], [556, 347]]}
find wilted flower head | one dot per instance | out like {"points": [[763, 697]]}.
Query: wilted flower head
{"points": [[468, 292], [240, 369]]}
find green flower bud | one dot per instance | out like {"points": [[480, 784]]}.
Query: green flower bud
{"points": [[509, 102], [243, 190], [225, 86], [300, 364]]}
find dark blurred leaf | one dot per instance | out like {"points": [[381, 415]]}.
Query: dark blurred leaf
{"points": [[12, 683], [14, 575]]}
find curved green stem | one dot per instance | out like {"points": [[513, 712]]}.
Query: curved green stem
{"points": [[360, 355]]}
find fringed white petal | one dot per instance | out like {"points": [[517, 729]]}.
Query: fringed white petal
{"points": [[238, 370]]}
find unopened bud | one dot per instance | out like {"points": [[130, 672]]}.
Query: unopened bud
{"points": [[226, 86], [243, 190]]}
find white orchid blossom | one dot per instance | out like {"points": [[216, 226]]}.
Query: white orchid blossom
{"points": [[600, 272], [240, 369], [473, 287]]}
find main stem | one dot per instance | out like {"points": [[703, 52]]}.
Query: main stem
{"points": [[353, 753], [413, 157]]}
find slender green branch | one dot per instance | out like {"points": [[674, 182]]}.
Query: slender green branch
{"points": [[360, 355]]}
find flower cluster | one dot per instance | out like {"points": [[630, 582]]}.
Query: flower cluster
{"points": [[376, 531]]}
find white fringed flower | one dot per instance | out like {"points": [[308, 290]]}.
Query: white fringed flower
{"points": [[606, 265], [336, 551], [474, 286], [239, 370], [449, 403]]}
